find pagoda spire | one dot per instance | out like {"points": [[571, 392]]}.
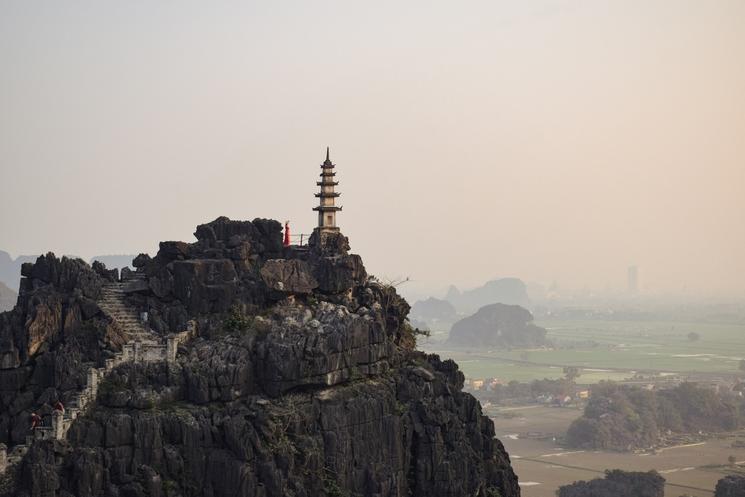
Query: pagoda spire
{"points": [[327, 207]]}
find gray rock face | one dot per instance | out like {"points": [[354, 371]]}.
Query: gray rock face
{"points": [[498, 325], [292, 276], [303, 380], [401, 434], [55, 327]]}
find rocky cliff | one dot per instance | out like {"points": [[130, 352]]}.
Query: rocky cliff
{"points": [[301, 379]]}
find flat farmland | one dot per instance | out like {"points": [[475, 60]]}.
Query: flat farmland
{"points": [[542, 466], [607, 350]]}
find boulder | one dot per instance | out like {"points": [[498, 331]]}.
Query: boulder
{"points": [[141, 260], [339, 274], [170, 251]]}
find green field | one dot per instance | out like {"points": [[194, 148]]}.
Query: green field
{"points": [[596, 344]]}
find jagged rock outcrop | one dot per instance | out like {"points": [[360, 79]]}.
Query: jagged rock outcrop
{"points": [[498, 325], [303, 380], [114, 261], [55, 329]]}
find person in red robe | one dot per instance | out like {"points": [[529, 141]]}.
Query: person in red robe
{"points": [[287, 234]]}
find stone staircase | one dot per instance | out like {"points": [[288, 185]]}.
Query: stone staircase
{"points": [[143, 345], [114, 305]]}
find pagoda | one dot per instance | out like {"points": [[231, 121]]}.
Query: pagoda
{"points": [[326, 208]]}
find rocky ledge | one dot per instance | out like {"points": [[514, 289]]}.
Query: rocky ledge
{"points": [[301, 379]]}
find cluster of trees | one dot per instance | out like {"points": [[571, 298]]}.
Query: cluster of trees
{"points": [[626, 418], [515, 390], [617, 483], [730, 486]]}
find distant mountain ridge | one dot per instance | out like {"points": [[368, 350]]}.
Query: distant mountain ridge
{"points": [[433, 309], [10, 269], [7, 297], [510, 291]]}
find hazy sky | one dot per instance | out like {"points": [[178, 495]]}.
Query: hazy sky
{"points": [[549, 140]]}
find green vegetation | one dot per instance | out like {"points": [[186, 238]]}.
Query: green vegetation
{"points": [[730, 486], [410, 334], [530, 392], [617, 483], [330, 484], [607, 350], [625, 418], [236, 321], [492, 492]]}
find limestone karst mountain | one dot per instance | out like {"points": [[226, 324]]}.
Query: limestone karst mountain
{"points": [[232, 366], [433, 309], [500, 326], [510, 291]]}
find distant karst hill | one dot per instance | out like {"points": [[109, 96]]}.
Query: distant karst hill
{"points": [[510, 291], [7, 297], [498, 325], [10, 269], [617, 483], [625, 418], [433, 309]]}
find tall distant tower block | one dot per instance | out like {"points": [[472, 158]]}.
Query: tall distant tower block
{"points": [[327, 208], [632, 277]]}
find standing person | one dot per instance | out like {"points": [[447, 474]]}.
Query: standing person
{"points": [[58, 406], [35, 420], [287, 234]]}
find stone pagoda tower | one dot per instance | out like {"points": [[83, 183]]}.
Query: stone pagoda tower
{"points": [[327, 208]]}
